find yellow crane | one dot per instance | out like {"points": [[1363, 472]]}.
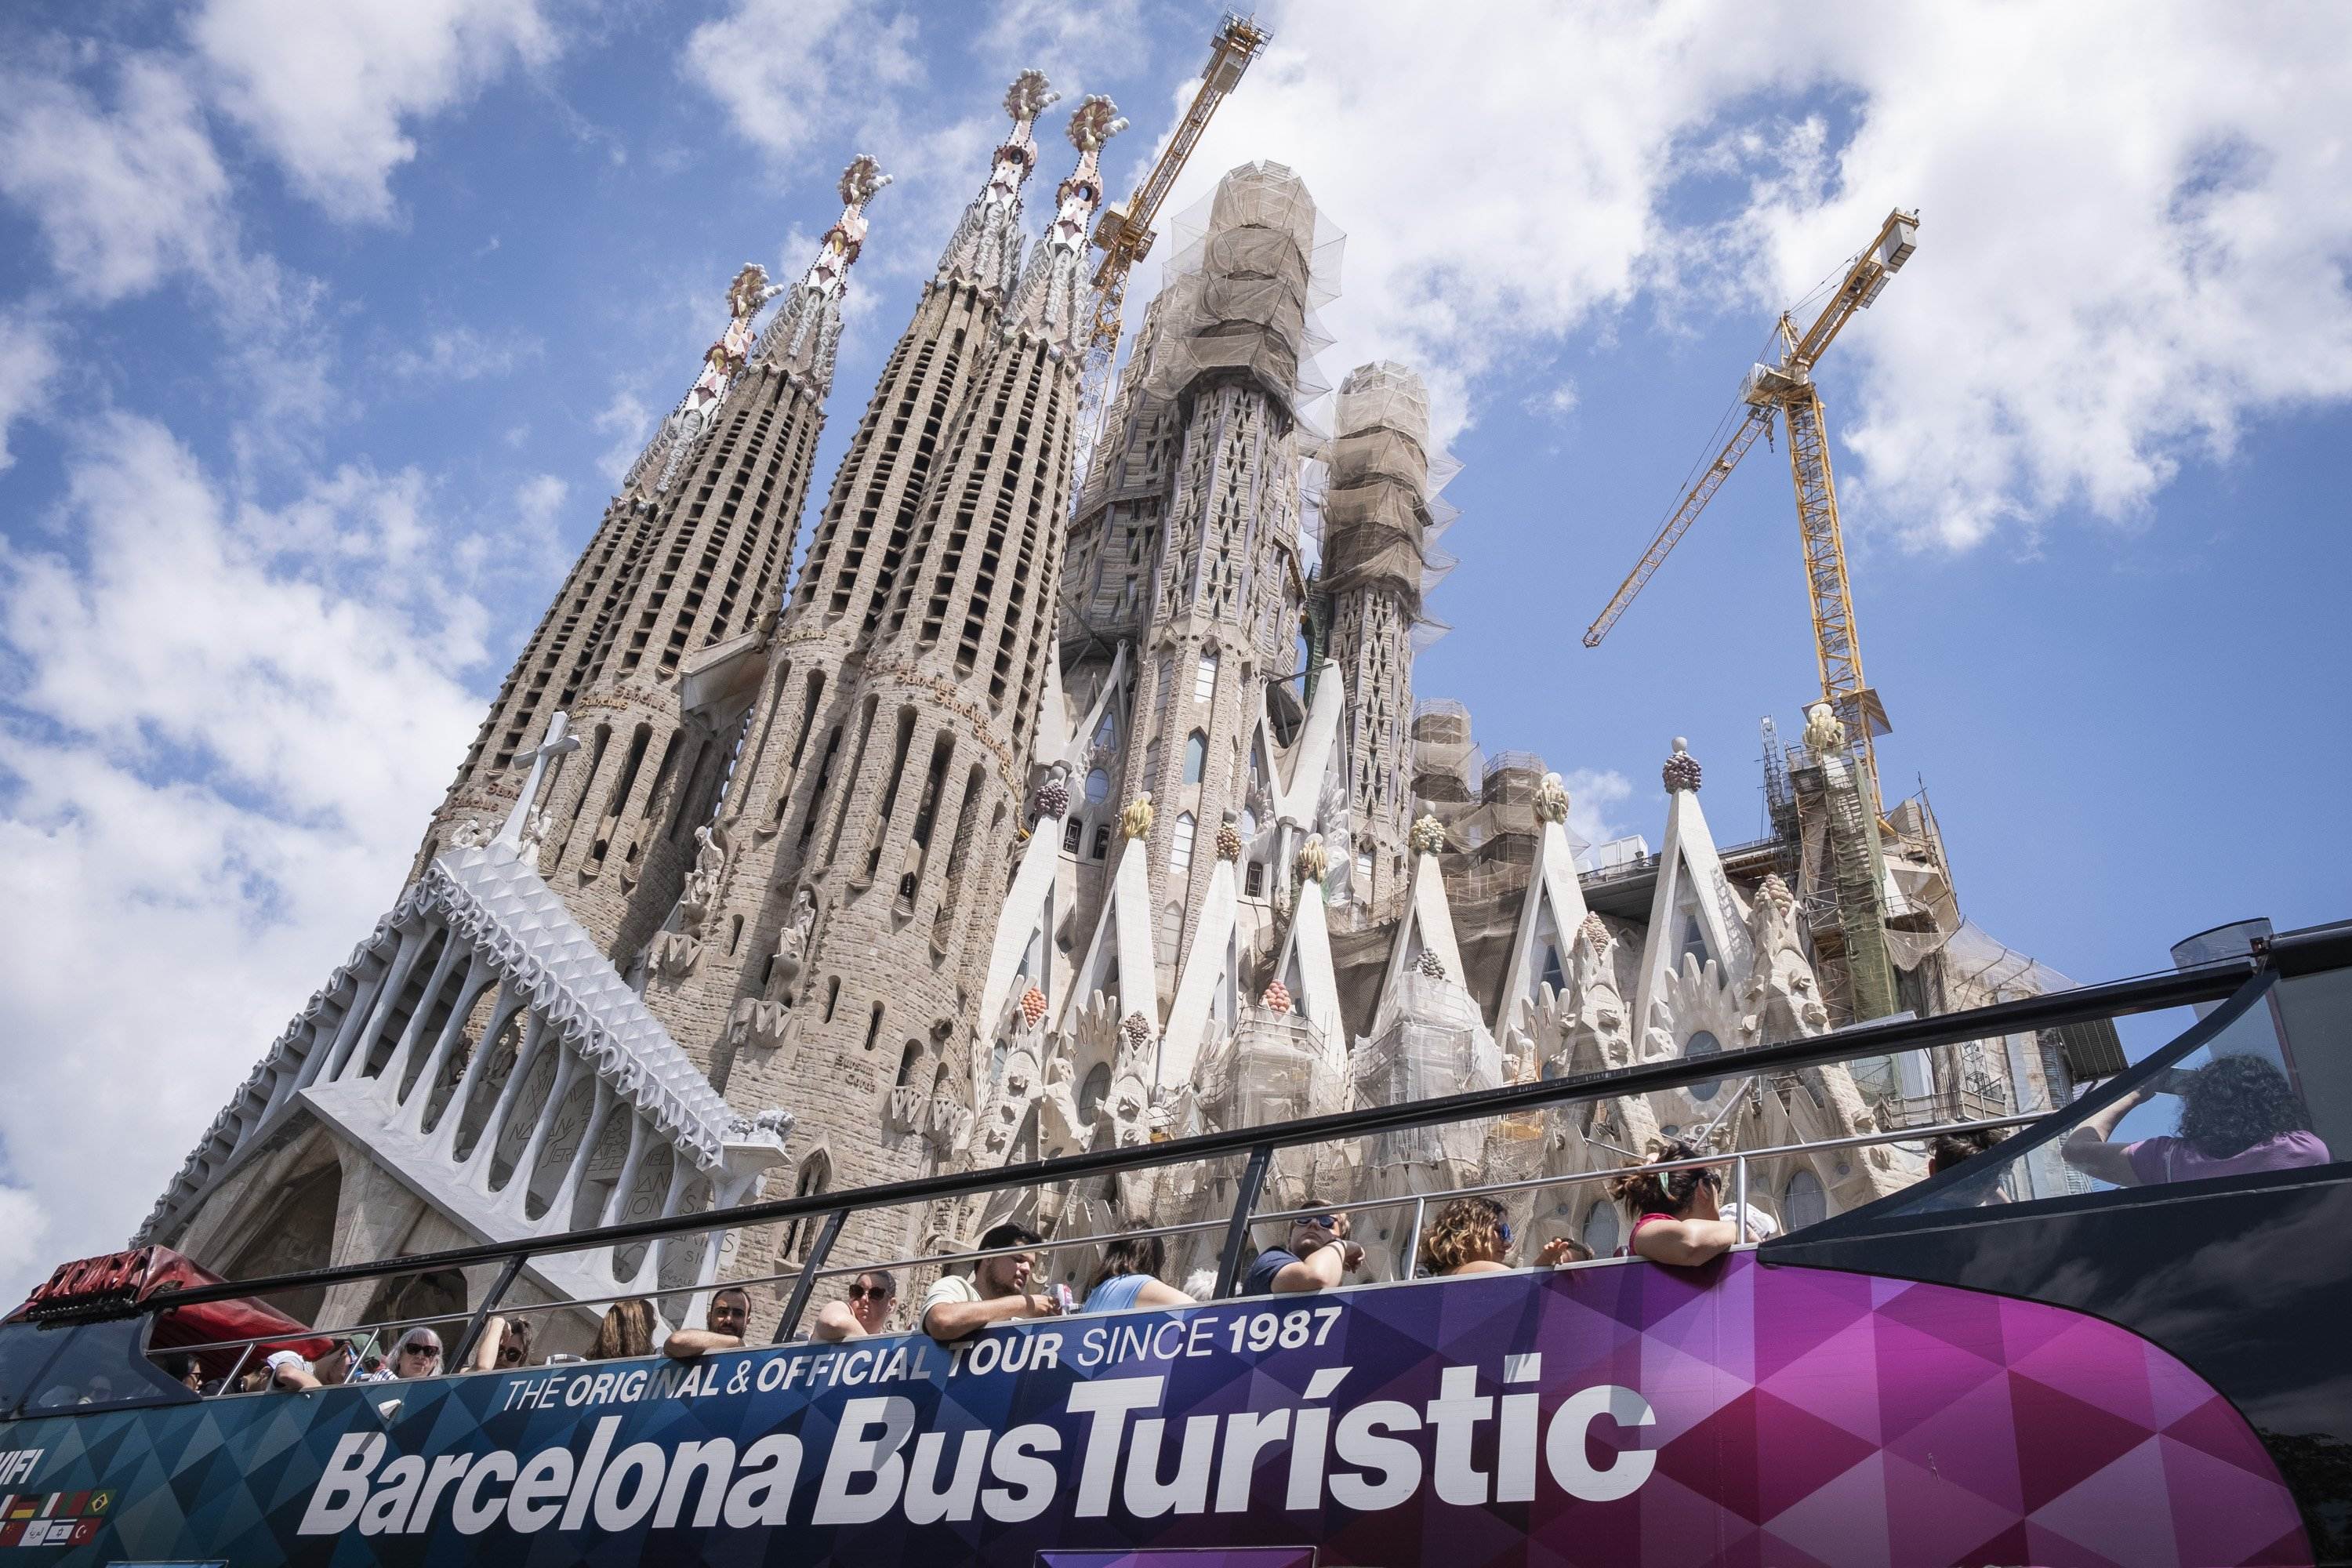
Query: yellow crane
{"points": [[1124, 231], [1788, 388]]}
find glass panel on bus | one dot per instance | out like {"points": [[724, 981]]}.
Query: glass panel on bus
{"points": [[101, 1366], [2262, 1084]]}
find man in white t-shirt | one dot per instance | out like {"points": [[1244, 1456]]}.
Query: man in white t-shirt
{"points": [[996, 1291]]}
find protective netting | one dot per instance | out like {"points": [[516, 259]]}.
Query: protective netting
{"points": [[1922, 914], [1252, 263], [1436, 1046], [1381, 515], [1980, 969]]}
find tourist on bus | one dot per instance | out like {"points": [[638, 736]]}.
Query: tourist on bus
{"points": [[1319, 1255], [506, 1344], [418, 1355], [1130, 1277], [290, 1374], [1472, 1236], [627, 1331], [181, 1367], [863, 1309], [725, 1321], [995, 1292], [2238, 1115], [1678, 1222]]}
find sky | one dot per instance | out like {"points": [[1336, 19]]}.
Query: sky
{"points": [[326, 330]]}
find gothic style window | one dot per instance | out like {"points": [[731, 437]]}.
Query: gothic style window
{"points": [[907, 1060], [1254, 882], [816, 1175], [1600, 1228], [1804, 1203], [1179, 858], [1204, 677], [1196, 756], [1703, 1044], [1092, 1092], [1098, 787]]}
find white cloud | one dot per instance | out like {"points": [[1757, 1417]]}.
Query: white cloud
{"points": [[1594, 796], [630, 423], [123, 198], [2135, 233], [332, 91], [223, 730], [786, 70], [461, 354], [28, 362]]}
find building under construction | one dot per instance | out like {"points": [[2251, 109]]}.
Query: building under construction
{"points": [[1077, 793]]}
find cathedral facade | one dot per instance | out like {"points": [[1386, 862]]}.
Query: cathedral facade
{"points": [[1062, 800]]}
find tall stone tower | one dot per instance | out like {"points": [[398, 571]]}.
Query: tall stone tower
{"points": [[847, 939], [645, 645], [1379, 517], [1227, 585], [724, 975]]}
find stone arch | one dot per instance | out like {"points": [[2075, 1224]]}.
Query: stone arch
{"points": [[297, 1232]]}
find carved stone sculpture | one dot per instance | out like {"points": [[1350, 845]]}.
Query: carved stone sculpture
{"points": [[1135, 822], [1229, 841], [1824, 731], [1551, 799], [1428, 836], [1313, 862], [1681, 770]]}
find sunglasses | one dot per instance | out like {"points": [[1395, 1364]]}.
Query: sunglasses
{"points": [[1502, 1232], [1323, 1221], [868, 1293], [420, 1350]]}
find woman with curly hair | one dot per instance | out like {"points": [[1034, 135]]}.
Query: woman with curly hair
{"points": [[1472, 1236], [1678, 1222], [2237, 1114]]}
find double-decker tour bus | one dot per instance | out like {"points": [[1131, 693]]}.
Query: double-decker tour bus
{"points": [[2067, 1350]]}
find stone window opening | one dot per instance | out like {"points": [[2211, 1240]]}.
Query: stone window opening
{"points": [[1102, 842], [1205, 676], [1196, 756], [873, 1026], [907, 1058], [1180, 855], [1073, 837], [816, 1178], [832, 995]]}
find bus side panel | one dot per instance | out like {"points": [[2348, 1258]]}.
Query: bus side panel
{"points": [[2248, 1282], [1611, 1414]]}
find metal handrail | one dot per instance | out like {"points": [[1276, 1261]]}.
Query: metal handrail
{"points": [[2294, 953]]}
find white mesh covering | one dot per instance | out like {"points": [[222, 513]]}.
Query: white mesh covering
{"points": [[1437, 1045], [1252, 263], [1380, 515]]}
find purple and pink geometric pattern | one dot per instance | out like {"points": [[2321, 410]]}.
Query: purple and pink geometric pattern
{"points": [[1806, 1416]]}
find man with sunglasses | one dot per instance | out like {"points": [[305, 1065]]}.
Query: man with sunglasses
{"points": [[864, 1310], [725, 1321], [1319, 1258]]}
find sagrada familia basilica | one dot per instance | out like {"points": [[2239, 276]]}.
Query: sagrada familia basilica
{"points": [[1064, 799]]}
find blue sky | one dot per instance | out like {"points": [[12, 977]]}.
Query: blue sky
{"points": [[325, 332]]}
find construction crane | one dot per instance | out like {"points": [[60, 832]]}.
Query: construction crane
{"points": [[1124, 231], [1788, 388]]}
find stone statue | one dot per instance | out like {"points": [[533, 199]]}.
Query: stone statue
{"points": [[1135, 820], [1314, 861], [1824, 732], [701, 889], [1682, 770], [535, 832], [469, 835], [792, 946], [1551, 799], [1428, 836]]}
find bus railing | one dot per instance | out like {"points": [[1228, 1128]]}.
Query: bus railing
{"points": [[2319, 948]]}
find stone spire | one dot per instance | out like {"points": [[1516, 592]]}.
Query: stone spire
{"points": [[985, 249], [1052, 297], [721, 363], [807, 329]]}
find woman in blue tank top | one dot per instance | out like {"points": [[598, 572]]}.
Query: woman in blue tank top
{"points": [[1128, 1278]]}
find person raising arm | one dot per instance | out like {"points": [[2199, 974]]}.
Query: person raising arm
{"points": [[863, 1309], [1679, 1223], [996, 1291], [1319, 1258]]}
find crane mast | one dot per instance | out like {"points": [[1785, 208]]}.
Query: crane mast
{"points": [[1125, 233], [1787, 388]]}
